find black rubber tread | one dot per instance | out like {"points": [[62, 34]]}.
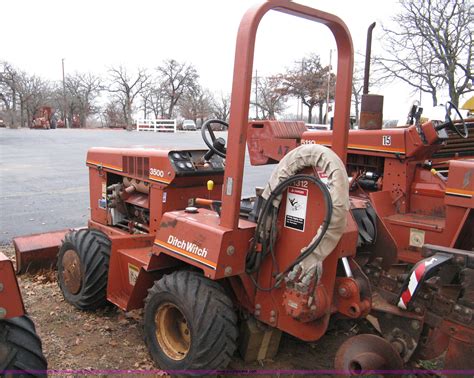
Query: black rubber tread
{"points": [[211, 319], [21, 349], [93, 249]]}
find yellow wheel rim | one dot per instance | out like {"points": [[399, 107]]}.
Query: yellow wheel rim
{"points": [[172, 332]]}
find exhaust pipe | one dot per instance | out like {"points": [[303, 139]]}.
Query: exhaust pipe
{"points": [[368, 52], [371, 112]]}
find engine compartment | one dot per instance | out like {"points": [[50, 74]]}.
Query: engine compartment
{"points": [[125, 184]]}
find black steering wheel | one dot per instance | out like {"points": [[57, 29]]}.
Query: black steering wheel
{"points": [[449, 122], [218, 144]]}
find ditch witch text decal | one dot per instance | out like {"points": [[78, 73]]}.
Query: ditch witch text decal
{"points": [[187, 250], [187, 246]]}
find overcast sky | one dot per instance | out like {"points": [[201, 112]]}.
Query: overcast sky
{"points": [[95, 35]]}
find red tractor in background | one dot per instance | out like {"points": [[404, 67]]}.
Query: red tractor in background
{"points": [[334, 233], [42, 119], [45, 118], [20, 346]]}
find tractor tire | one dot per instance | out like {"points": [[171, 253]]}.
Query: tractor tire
{"points": [[190, 323], [21, 353], [83, 265]]}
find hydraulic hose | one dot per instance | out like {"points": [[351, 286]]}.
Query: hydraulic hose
{"points": [[336, 198], [266, 238]]}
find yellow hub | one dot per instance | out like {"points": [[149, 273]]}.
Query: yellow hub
{"points": [[172, 332]]}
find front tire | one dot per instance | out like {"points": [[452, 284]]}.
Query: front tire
{"points": [[190, 323], [83, 264], [21, 352]]}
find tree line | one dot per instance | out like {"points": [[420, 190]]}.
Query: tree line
{"points": [[429, 46], [171, 89]]}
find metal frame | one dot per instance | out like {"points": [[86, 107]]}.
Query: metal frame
{"points": [[242, 82]]}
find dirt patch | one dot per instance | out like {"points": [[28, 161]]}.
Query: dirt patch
{"points": [[112, 339]]}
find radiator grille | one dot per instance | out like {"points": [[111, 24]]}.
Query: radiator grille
{"points": [[136, 166]]}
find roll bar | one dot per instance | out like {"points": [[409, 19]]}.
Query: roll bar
{"points": [[241, 87]]}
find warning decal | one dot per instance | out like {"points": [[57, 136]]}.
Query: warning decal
{"points": [[417, 237], [296, 202], [103, 200]]}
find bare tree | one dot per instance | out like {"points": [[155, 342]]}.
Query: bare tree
{"points": [[155, 99], [33, 93], [177, 79], [23, 92], [126, 88], [196, 104], [221, 107], [63, 102], [357, 88], [431, 47], [272, 95], [9, 82], [113, 114], [308, 82], [82, 89], [145, 102]]}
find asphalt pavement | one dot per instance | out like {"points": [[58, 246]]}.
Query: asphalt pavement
{"points": [[44, 179]]}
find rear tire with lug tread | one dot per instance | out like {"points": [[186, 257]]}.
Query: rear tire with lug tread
{"points": [[83, 264], [20, 349], [190, 323]]}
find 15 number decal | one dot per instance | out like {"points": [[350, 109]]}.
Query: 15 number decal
{"points": [[386, 140]]}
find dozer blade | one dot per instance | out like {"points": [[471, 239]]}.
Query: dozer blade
{"points": [[37, 251]]}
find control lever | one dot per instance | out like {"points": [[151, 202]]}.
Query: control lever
{"points": [[213, 204]]}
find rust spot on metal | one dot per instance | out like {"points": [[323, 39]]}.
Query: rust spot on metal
{"points": [[72, 271], [461, 347], [363, 353], [371, 114], [170, 224]]}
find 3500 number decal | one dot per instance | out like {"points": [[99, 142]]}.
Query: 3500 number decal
{"points": [[157, 172]]}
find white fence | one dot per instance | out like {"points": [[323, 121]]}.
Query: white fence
{"points": [[155, 125], [317, 126]]}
